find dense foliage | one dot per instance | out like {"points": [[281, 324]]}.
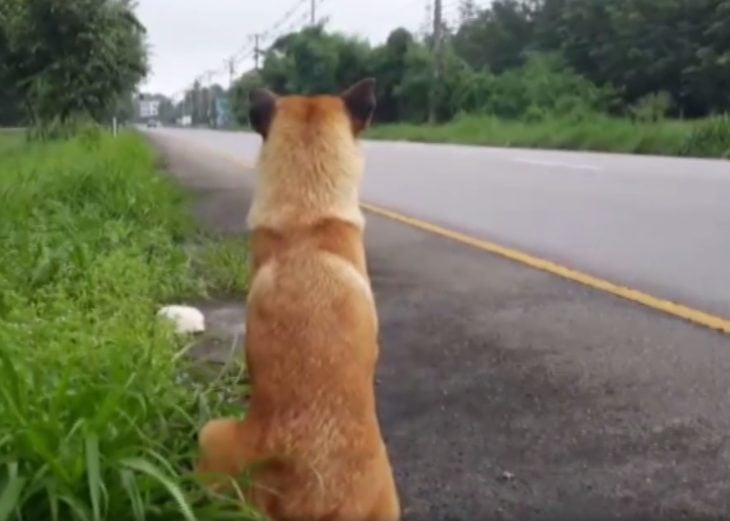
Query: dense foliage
{"points": [[528, 59], [65, 59]]}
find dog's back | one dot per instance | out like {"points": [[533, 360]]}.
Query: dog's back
{"points": [[312, 327]]}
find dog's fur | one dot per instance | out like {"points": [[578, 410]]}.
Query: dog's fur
{"points": [[311, 430]]}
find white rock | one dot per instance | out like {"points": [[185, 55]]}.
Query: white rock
{"points": [[187, 319]]}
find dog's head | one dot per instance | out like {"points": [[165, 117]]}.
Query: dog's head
{"points": [[310, 163], [312, 116]]}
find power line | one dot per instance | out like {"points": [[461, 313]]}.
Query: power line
{"points": [[299, 15], [286, 17], [297, 24], [252, 48]]}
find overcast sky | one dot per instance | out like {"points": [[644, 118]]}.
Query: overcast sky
{"points": [[188, 37]]}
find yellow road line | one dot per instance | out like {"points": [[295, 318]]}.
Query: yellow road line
{"points": [[695, 316], [666, 306]]}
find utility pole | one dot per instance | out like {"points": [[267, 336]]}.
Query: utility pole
{"points": [[256, 51], [231, 71], [209, 101], [313, 12], [437, 58]]}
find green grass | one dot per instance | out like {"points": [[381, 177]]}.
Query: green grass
{"points": [[706, 138], [222, 260], [98, 408]]}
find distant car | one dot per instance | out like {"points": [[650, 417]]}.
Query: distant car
{"points": [[152, 123]]}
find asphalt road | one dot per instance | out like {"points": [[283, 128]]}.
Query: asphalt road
{"points": [[659, 225], [507, 393]]}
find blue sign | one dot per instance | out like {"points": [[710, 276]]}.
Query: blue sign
{"points": [[222, 112]]}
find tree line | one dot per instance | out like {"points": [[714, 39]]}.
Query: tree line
{"points": [[528, 59], [65, 60]]}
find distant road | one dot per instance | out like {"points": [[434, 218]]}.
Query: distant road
{"points": [[659, 225]]}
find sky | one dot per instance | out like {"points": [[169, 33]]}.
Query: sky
{"points": [[189, 37]]}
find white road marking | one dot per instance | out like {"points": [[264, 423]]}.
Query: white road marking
{"points": [[558, 163]]}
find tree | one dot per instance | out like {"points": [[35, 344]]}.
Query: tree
{"points": [[647, 46], [497, 37], [467, 11], [239, 95], [70, 58], [314, 61], [389, 65], [527, 59]]}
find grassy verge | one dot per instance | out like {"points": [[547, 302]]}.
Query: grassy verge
{"points": [[706, 138], [98, 411]]}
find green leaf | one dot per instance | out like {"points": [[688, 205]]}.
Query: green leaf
{"points": [[93, 473], [11, 493], [145, 467]]}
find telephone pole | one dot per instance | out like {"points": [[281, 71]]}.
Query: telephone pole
{"points": [[256, 51], [437, 58], [231, 71], [313, 12]]}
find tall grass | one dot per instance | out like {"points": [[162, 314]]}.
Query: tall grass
{"points": [[98, 411], [707, 138]]}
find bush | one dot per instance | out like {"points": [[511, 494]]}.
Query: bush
{"points": [[544, 85], [77, 125], [652, 107]]}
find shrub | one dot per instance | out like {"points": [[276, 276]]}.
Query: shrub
{"points": [[652, 107]]}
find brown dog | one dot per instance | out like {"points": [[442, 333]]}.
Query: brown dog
{"points": [[311, 432]]}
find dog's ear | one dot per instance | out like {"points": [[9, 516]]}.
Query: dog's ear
{"points": [[360, 102], [262, 107]]}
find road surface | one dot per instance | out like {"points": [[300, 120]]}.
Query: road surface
{"points": [[659, 225], [508, 393]]}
